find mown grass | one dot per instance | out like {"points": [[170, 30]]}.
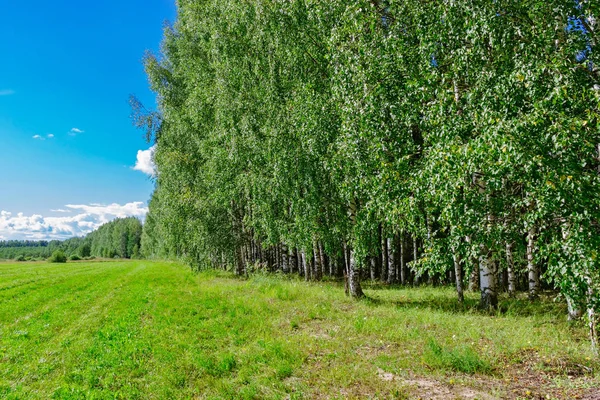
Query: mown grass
{"points": [[143, 329]]}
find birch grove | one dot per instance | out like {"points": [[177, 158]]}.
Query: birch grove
{"points": [[410, 141]]}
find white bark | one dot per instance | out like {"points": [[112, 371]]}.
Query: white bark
{"points": [[354, 277], [391, 261], [574, 312], [458, 277], [304, 264], [384, 258], [510, 262], [592, 316], [415, 256], [487, 279]]}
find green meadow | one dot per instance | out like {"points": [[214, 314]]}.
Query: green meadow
{"points": [[156, 330]]}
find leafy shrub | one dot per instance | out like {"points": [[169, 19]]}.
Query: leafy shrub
{"points": [[75, 257], [58, 257], [84, 250], [20, 257]]}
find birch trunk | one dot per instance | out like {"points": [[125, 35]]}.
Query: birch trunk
{"points": [[384, 258], [294, 262], [487, 279], [590, 293], [592, 316], [310, 262], [354, 277], [285, 254], [304, 265], [239, 261], [402, 260], [458, 277], [574, 311], [391, 268], [346, 269], [532, 267], [573, 308], [593, 329], [415, 256], [318, 265], [322, 259], [510, 263], [373, 268]]}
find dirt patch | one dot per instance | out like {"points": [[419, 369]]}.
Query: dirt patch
{"points": [[528, 376], [525, 376], [427, 388]]}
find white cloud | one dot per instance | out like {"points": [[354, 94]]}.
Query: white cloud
{"points": [[145, 162], [6, 92], [75, 131], [87, 219], [37, 137], [50, 136], [60, 210]]}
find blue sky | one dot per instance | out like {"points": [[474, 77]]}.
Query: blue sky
{"points": [[66, 71]]}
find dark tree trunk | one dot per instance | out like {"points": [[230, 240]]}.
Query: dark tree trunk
{"points": [[532, 267], [323, 259], [310, 261], [384, 258], [239, 264], [318, 266], [285, 258], [372, 268], [402, 260], [378, 255]]}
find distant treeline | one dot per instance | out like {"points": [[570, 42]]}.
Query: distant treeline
{"points": [[118, 238]]}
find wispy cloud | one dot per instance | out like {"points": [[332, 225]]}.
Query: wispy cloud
{"points": [[145, 161], [60, 210], [75, 131], [6, 92], [37, 137], [87, 218], [50, 136]]}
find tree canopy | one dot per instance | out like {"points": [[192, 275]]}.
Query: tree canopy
{"points": [[331, 137]]}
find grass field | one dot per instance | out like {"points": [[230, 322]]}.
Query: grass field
{"points": [[143, 329]]}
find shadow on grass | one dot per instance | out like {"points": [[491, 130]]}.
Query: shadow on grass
{"points": [[427, 297], [440, 298]]}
